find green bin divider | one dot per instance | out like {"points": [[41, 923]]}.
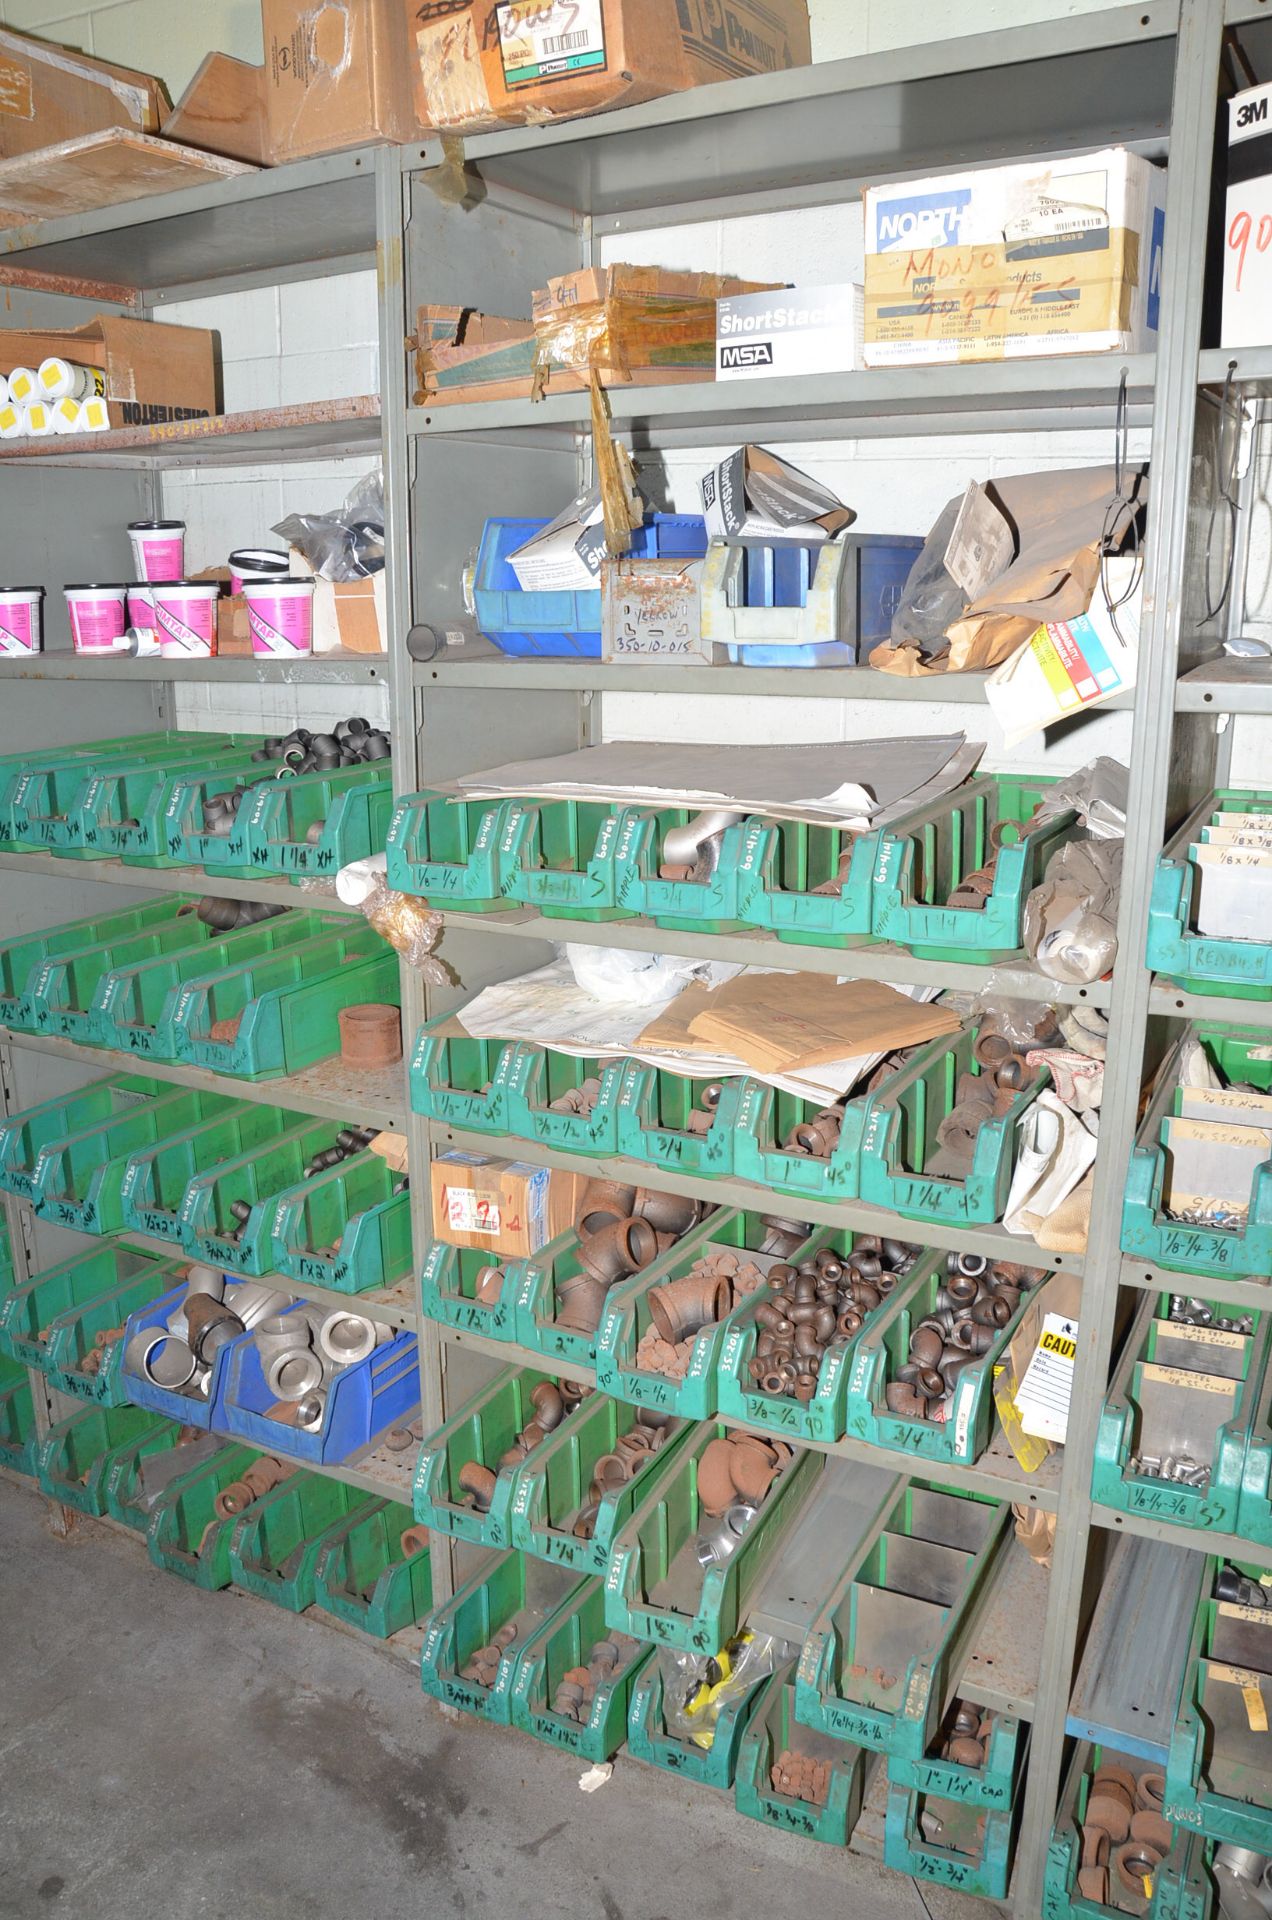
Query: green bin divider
{"points": [[24, 1135], [155, 1179], [185, 1534], [654, 1106], [901, 1166], [1198, 962], [46, 797], [763, 1118], [18, 1437], [75, 1456], [50, 1321], [22, 957], [826, 1416], [554, 1484], [507, 1591], [1254, 1513], [1237, 1357], [1191, 1800], [318, 822], [921, 859], [696, 1607], [449, 852], [362, 1576], [898, 1709], [346, 1228], [712, 1764], [220, 854], [564, 1642], [448, 1292], [1182, 1889], [540, 1078], [78, 1181], [808, 884], [288, 1005], [481, 1431], [1148, 1232], [62, 992], [272, 1163], [884, 1348], [627, 1319], [712, 904], [576, 859], [275, 1544], [16, 767], [772, 1729], [974, 1854], [123, 814]]}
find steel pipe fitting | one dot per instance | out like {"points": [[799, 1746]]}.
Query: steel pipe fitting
{"points": [[346, 1337], [292, 1375], [200, 1278], [682, 846], [167, 1360]]}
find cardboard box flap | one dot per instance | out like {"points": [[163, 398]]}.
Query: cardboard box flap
{"points": [[223, 111]]}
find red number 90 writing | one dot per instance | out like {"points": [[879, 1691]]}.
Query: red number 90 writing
{"points": [[1239, 234]]}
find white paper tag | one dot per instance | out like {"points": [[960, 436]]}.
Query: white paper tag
{"points": [[981, 545], [470, 1212], [550, 40], [1043, 1398]]}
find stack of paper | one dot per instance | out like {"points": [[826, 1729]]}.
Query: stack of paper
{"points": [[1233, 860], [1215, 1145]]}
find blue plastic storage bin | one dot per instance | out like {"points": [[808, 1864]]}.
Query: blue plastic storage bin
{"points": [[191, 1409], [553, 625], [877, 566], [362, 1401]]}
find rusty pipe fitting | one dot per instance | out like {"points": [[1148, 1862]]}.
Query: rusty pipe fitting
{"points": [[904, 1401], [681, 1308], [479, 1481], [549, 1408], [665, 1212], [621, 1247], [370, 1035], [926, 1346], [603, 1201], [413, 1540]]}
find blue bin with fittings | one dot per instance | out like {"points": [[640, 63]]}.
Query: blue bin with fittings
{"points": [[363, 1400], [567, 623], [815, 604]]}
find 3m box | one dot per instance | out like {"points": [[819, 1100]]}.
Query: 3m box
{"points": [[1247, 237], [153, 373], [506, 1208], [336, 75], [477, 64], [49, 94], [1015, 261]]}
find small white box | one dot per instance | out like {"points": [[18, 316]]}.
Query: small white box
{"points": [[792, 330], [1247, 236]]}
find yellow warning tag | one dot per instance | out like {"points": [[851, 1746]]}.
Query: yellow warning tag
{"points": [[1256, 1711]]}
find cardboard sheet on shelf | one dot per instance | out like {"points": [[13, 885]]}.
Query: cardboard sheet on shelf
{"points": [[102, 170], [783, 1023]]}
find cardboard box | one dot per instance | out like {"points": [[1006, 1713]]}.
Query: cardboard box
{"points": [[633, 324], [1015, 261], [350, 614], [336, 75], [479, 63], [49, 94], [1247, 246], [796, 330], [505, 1207], [223, 111], [153, 373], [464, 355]]}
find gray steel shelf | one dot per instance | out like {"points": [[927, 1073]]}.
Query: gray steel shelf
{"points": [[328, 1089], [1178, 1004], [1198, 1541], [879, 962], [1226, 685], [314, 430], [995, 1242], [320, 669], [497, 670], [275, 892], [1246, 1295]]}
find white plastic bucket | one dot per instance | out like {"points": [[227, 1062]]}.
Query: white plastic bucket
{"points": [[21, 624], [185, 618], [97, 618], [4, 390], [94, 416], [280, 614], [158, 549], [60, 379], [22, 385], [255, 564], [68, 416]]}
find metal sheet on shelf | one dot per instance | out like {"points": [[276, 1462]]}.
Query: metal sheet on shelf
{"points": [[846, 1504], [1005, 1657], [1128, 1683], [318, 669]]}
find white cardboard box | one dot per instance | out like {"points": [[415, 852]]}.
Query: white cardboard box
{"points": [[1247, 237], [794, 330]]}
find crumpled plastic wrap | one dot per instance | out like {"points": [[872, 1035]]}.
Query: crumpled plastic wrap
{"points": [[1098, 792], [409, 927], [1070, 919], [348, 542], [697, 1689], [613, 975]]}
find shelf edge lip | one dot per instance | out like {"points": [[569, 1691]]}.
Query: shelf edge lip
{"points": [[1195, 1539]]}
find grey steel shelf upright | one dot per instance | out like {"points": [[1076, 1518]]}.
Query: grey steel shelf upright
{"points": [[1145, 76]]}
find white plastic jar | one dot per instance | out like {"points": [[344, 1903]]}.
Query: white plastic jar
{"points": [[280, 614], [21, 621], [97, 616], [185, 617], [59, 379]]}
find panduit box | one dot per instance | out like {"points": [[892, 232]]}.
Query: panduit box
{"points": [[336, 75], [1015, 261], [1247, 248], [476, 63], [505, 1207], [153, 373], [49, 94]]}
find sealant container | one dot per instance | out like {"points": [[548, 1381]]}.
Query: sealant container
{"points": [[564, 1642], [155, 1180], [1213, 1697], [448, 1292], [449, 852], [710, 1602], [479, 1432], [1148, 1231], [78, 1180], [770, 1731], [1214, 1380], [884, 1654], [921, 860], [275, 1545], [318, 822], [507, 1591], [562, 624], [185, 1535], [158, 545], [1182, 1888], [24, 1135], [901, 1163], [363, 1400], [280, 614], [710, 1760], [1208, 963], [62, 992], [362, 1576], [825, 1417], [270, 1162], [73, 1459], [21, 621], [353, 1210]]}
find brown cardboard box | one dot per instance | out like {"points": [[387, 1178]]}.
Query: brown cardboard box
{"points": [[336, 75], [153, 373], [505, 1207], [476, 63], [49, 94], [223, 111], [632, 324]]}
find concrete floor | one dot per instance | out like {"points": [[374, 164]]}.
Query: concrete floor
{"points": [[167, 1754]]}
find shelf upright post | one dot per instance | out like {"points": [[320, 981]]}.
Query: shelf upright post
{"points": [[1153, 772]]}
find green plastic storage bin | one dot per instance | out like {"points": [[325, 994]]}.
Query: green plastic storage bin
{"points": [[22, 958], [346, 1228], [1254, 1512], [535, 1283], [812, 885], [185, 1535], [46, 794], [1155, 1355], [627, 1319], [287, 1004], [1182, 1888], [993, 1784], [479, 1431], [363, 1577], [919, 862], [24, 1135], [883, 1655], [462, 1082], [78, 1181], [75, 1456], [123, 814], [52, 1321], [540, 1077], [656, 1588], [449, 852], [15, 767], [188, 840], [653, 1121], [17, 1420], [448, 1292], [554, 1484], [563, 1642], [1220, 1795], [826, 1416], [1204, 963], [772, 1729], [507, 1591], [761, 1119], [901, 1159], [318, 822], [577, 859], [1148, 1232], [712, 1764], [884, 1347], [62, 992], [275, 1544], [273, 1163], [974, 1856], [155, 1180]]}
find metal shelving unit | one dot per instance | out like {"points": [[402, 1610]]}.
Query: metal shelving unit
{"points": [[1146, 76]]}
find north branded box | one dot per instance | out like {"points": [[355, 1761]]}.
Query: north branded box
{"points": [[1247, 239], [1015, 261], [795, 330]]}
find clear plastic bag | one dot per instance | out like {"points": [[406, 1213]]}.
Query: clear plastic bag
{"points": [[1070, 919], [408, 926], [348, 542], [697, 1689], [1098, 792], [931, 599], [647, 979]]}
